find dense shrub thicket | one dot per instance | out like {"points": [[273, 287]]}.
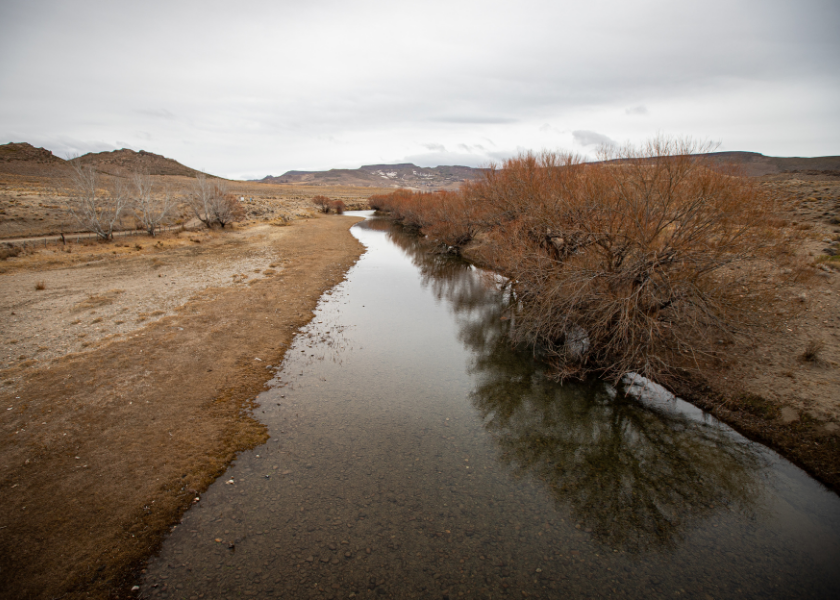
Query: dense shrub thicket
{"points": [[641, 261]]}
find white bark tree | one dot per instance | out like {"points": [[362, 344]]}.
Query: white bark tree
{"points": [[211, 203], [150, 209], [95, 207]]}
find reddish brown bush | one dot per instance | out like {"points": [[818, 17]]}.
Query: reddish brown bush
{"points": [[625, 264], [338, 206], [323, 203]]}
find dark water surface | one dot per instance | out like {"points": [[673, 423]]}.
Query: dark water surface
{"points": [[413, 454]]}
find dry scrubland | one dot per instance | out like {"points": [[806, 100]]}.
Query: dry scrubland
{"points": [[34, 206], [724, 287], [127, 370]]}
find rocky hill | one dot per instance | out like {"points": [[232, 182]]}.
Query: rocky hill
{"points": [[405, 175], [25, 159], [127, 161]]}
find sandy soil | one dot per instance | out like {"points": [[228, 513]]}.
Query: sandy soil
{"points": [[126, 384]]}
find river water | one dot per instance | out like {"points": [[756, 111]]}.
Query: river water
{"points": [[415, 454]]}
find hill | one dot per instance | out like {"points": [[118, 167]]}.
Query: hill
{"points": [[25, 159], [758, 165], [405, 175], [128, 161]]}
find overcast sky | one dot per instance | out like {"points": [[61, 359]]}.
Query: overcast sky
{"points": [[249, 88]]}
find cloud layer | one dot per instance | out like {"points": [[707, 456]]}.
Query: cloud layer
{"points": [[250, 88]]}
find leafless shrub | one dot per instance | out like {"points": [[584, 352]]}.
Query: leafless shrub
{"points": [[41, 285], [635, 253], [95, 207], [338, 206], [211, 203], [627, 264]]}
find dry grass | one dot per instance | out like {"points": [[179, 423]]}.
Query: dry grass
{"points": [[97, 300], [813, 351]]}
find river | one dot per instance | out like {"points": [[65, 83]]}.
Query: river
{"points": [[415, 454]]}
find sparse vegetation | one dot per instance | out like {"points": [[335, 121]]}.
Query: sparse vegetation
{"points": [[41, 285]]}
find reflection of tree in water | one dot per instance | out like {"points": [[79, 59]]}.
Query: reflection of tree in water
{"points": [[636, 478], [449, 277]]}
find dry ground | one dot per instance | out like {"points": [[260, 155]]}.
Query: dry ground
{"points": [[126, 383], [34, 205], [782, 386]]}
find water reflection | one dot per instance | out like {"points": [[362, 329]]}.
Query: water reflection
{"points": [[392, 471], [632, 477]]}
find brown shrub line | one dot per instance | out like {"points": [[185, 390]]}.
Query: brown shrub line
{"points": [[645, 261]]}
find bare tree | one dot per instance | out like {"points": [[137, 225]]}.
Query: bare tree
{"points": [[211, 203], [149, 209], [94, 207]]}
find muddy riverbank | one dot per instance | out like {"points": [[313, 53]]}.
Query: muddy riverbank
{"points": [[127, 382]]}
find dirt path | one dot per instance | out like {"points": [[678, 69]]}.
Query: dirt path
{"points": [[113, 423]]}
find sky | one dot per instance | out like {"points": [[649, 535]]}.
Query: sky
{"points": [[247, 89]]}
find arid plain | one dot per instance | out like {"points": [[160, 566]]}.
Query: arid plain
{"points": [[128, 369]]}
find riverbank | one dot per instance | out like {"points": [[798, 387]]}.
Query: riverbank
{"points": [[736, 306], [129, 384], [780, 384]]}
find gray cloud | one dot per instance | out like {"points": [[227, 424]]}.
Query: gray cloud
{"points": [[435, 147], [295, 85], [474, 120], [591, 138], [637, 110]]}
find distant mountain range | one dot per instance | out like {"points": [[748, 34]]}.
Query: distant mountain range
{"points": [[411, 176], [405, 175], [758, 165], [25, 159]]}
